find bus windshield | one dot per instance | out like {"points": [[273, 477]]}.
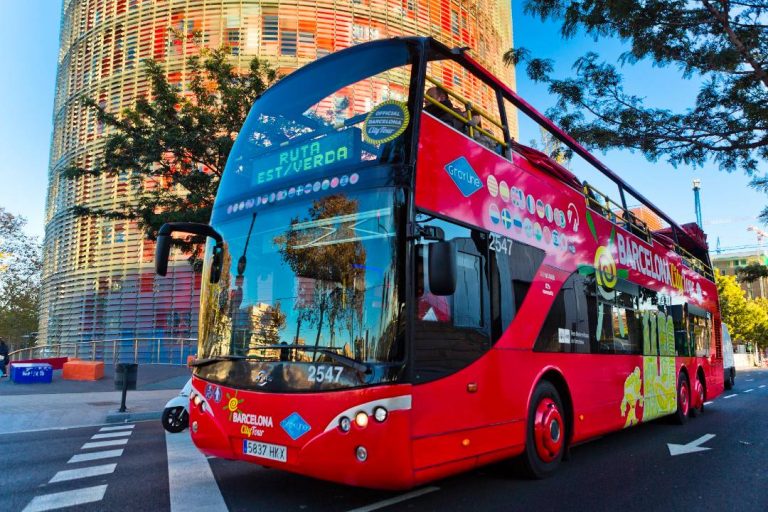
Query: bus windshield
{"points": [[308, 213], [344, 110], [307, 281]]}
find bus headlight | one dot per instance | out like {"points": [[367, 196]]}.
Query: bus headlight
{"points": [[380, 414], [361, 419], [197, 400], [345, 424]]}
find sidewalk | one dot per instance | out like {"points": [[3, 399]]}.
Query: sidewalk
{"points": [[65, 403]]}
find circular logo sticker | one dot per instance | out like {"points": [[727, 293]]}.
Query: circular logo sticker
{"points": [[493, 213], [386, 122], [531, 203], [493, 185], [504, 191]]}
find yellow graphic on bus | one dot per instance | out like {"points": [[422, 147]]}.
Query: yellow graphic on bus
{"points": [[658, 378], [632, 395]]}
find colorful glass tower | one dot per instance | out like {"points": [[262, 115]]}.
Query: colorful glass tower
{"points": [[98, 277]]}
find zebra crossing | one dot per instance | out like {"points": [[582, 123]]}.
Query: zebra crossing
{"points": [[86, 465]]}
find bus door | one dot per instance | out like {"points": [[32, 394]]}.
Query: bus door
{"points": [[453, 383]]}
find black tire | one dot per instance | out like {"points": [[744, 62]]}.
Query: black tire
{"points": [[695, 411], [683, 400], [732, 379], [175, 419], [546, 419]]}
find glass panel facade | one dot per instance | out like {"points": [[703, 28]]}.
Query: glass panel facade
{"points": [[98, 278]]}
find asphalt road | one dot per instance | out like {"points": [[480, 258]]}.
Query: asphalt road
{"points": [[629, 470]]}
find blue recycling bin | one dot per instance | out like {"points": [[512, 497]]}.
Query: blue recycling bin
{"points": [[31, 373]]}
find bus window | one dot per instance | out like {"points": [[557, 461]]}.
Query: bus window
{"points": [[601, 311], [461, 100], [627, 326], [683, 346], [566, 328], [513, 268], [700, 330], [452, 331]]}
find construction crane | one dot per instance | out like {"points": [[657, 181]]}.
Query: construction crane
{"points": [[697, 201], [760, 234]]}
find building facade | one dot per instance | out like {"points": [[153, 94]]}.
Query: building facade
{"points": [[729, 263], [98, 277]]}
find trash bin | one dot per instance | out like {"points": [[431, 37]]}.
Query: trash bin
{"points": [[125, 374]]}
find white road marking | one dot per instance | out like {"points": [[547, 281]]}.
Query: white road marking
{"points": [[761, 386], [74, 474], [750, 380], [108, 435], [707, 403], [66, 499], [84, 457], [191, 484], [749, 390], [693, 446], [117, 427], [103, 444], [729, 396], [71, 427], [396, 499]]}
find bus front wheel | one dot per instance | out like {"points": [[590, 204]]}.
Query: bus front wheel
{"points": [[545, 432]]}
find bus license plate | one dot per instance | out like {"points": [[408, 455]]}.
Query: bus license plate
{"points": [[265, 450]]}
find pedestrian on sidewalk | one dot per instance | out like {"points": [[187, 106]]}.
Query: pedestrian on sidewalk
{"points": [[3, 357]]}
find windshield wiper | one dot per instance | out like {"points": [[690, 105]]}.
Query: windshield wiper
{"points": [[217, 359], [328, 351]]}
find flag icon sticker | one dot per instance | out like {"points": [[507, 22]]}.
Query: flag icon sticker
{"points": [[493, 213], [506, 218]]}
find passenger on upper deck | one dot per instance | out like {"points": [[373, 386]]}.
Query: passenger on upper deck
{"points": [[441, 96], [477, 135]]}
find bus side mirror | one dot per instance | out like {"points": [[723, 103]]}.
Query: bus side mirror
{"points": [[442, 268], [163, 245], [162, 253]]}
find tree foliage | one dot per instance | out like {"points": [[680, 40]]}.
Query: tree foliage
{"points": [[20, 268], [723, 42], [336, 270], [173, 147], [752, 272], [747, 319]]}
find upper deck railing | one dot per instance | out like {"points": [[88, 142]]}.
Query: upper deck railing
{"points": [[607, 207]]}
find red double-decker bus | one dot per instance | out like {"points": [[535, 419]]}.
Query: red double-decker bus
{"points": [[396, 290]]}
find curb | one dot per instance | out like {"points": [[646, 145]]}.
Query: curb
{"points": [[126, 417]]}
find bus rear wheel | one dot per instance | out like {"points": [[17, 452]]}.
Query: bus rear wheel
{"points": [[545, 432], [683, 399], [697, 405]]}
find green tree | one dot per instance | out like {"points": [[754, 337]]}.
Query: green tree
{"points": [[747, 319], [335, 266], [173, 147], [751, 272], [722, 42], [20, 268]]}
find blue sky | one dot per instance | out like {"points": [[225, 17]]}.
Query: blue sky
{"points": [[28, 63], [28, 60]]}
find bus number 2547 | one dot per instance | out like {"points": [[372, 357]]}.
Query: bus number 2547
{"points": [[322, 373]]}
